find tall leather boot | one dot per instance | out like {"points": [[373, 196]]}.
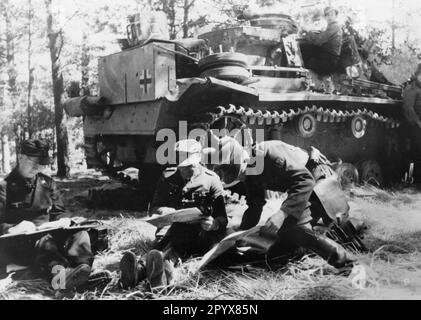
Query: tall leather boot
{"points": [[331, 251]]}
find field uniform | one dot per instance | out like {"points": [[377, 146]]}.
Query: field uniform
{"points": [[284, 171], [37, 200], [324, 49], [174, 192]]}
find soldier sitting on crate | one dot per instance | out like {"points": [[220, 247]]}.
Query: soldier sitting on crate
{"points": [[188, 185], [285, 169], [324, 49], [28, 199]]}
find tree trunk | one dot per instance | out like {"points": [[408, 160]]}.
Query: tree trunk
{"points": [[85, 66], [30, 70], [5, 152], [10, 58], [55, 45], [168, 6], [186, 8]]}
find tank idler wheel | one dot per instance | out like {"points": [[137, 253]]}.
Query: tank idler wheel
{"points": [[347, 175], [370, 172], [306, 125], [358, 126]]}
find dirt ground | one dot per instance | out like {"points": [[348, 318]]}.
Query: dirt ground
{"points": [[391, 269]]}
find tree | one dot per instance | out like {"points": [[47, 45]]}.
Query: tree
{"points": [[55, 44]]}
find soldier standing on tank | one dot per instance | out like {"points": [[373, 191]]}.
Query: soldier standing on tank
{"points": [[412, 113], [285, 169], [325, 49], [29, 198], [189, 184]]}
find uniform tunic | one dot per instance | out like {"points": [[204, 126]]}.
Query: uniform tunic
{"points": [[284, 171], [330, 39], [35, 200], [174, 192], [38, 201], [323, 50]]}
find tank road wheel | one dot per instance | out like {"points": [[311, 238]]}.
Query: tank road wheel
{"points": [[306, 125], [371, 172], [358, 126], [347, 175]]}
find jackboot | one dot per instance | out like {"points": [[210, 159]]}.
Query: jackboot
{"points": [[331, 251]]}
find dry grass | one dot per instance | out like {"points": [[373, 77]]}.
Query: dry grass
{"points": [[392, 267]]}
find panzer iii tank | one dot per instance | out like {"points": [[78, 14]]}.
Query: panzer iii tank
{"points": [[250, 76]]}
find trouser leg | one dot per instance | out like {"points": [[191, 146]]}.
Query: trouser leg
{"points": [[293, 235], [78, 249], [48, 254]]}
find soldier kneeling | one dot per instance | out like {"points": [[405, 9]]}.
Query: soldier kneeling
{"points": [[188, 185]]}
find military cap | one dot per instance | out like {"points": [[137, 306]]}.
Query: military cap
{"points": [[229, 159], [36, 148], [189, 152], [329, 9]]}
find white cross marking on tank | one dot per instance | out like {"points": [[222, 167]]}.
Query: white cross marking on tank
{"points": [[145, 80]]}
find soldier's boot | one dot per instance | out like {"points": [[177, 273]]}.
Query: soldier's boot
{"points": [[132, 270], [332, 252], [76, 277], [97, 280], [159, 271]]}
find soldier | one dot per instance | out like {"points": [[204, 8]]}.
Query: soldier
{"points": [[29, 198], [325, 48], [412, 113], [284, 170], [190, 184]]}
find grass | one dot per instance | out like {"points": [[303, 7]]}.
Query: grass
{"points": [[392, 267]]}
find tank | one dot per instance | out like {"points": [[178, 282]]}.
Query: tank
{"points": [[249, 76]]}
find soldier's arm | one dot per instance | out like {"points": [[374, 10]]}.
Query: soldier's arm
{"points": [[160, 201], [322, 37], [4, 227], [299, 191], [409, 99], [255, 198], [57, 210], [219, 212]]}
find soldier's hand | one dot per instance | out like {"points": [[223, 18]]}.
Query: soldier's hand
{"points": [[22, 227], [274, 223], [209, 224], [318, 157]]}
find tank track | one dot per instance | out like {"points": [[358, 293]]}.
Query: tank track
{"points": [[93, 158], [254, 116]]}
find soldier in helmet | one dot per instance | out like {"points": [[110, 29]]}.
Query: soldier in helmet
{"points": [[29, 198], [412, 113], [189, 184], [285, 169]]}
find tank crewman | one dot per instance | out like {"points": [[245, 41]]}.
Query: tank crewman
{"points": [[190, 184], [328, 44], [29, 198], [284, 170], [412, 113]]}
